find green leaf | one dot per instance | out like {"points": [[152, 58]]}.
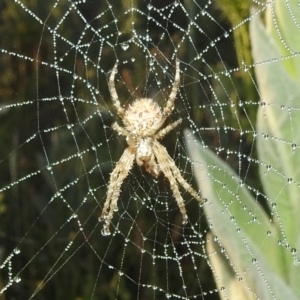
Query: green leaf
{"points": [[226, 280], [239, 224], [282, 24], [278, 141]]}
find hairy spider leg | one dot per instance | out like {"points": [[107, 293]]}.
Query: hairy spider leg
{"points": [[168, 167], [117, 177], [113, 92], [119, 129], [170, 103], [164, 164], [167, 129]]}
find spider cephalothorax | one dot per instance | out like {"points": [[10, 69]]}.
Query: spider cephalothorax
{"points": [[142, 121]]}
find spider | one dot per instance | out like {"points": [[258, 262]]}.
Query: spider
{"points": [[142, 121]]}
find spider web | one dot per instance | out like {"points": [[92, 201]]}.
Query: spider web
{"points": [[57, 150]]}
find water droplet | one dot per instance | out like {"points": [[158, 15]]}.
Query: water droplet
{"points": [[17, 251], [124, 46]]}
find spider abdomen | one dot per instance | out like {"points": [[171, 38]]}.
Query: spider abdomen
{"points": [[143, 117]]}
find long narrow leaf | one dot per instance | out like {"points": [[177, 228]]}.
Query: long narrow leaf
{"points": [[239, 223], [278, 141]]}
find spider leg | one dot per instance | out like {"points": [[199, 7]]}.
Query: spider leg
{"points": [[167, 129], [117, 177], [119, 129], [165, 162], [170, 103], [113, 92], [184, 183]]}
